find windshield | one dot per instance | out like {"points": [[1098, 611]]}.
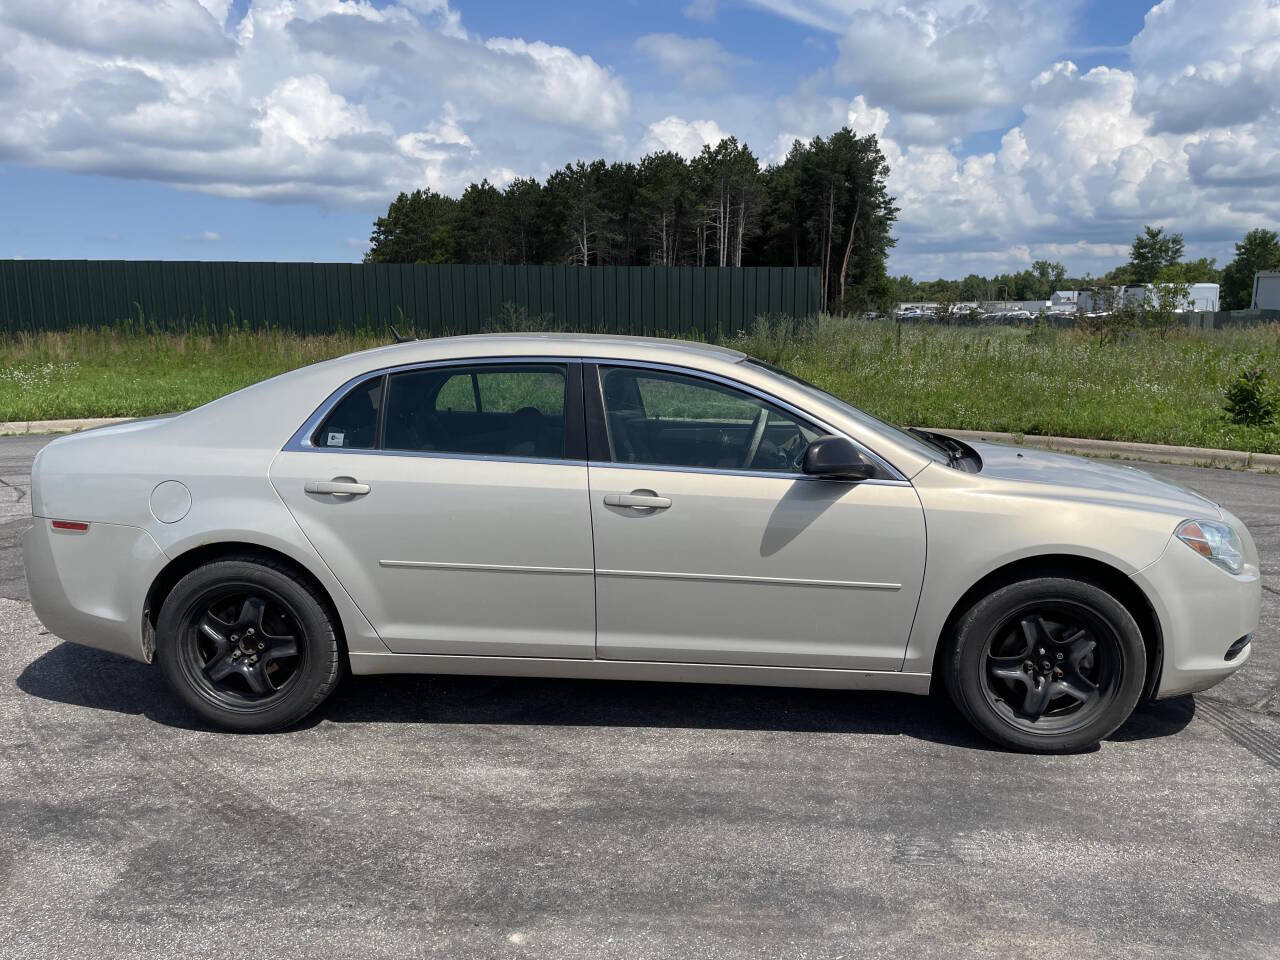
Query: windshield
{"points": [[899, 435]]}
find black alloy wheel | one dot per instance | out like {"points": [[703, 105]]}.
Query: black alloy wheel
{"points": [[1048, 664], [249, 643], [242, 646]]}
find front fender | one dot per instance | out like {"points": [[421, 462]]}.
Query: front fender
{"points": [[976, 527]]}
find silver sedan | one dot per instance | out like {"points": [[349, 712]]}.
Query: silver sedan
{"points": [[576, 506]]}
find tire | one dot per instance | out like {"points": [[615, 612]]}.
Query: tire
{"points": [[1047, 665], [248, 645]]}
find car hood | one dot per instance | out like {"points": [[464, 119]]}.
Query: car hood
{"points": [[1097, 477]]}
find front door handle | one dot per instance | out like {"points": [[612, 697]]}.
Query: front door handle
{"points": [[337, 487], [638, 500]]}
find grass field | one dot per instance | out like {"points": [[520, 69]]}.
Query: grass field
{"points": [[1016, 379]]}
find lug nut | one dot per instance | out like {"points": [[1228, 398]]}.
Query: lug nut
{"points": [[261, 645], [235, 654], [1042, 651], [1027, 665], [254, 658], [1057, 671], [1059, 656]]}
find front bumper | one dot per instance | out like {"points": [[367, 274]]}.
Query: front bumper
{"points": [[90, 587], [1203, 610]]}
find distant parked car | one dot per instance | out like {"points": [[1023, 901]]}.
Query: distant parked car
{"points": [[573, 506]]}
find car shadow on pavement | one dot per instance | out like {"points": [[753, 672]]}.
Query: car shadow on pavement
{"points": [[79, 676]]}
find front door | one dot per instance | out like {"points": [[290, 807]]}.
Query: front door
{"points": [[712, 547], [452, 504]]}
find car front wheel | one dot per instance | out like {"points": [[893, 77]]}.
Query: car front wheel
{"points": [[248, 645], [1050, 665]]}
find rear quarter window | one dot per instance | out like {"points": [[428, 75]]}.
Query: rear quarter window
{"points": [[353, 423]]}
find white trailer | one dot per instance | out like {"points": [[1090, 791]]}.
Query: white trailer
{"points": [[1266, 290], [1200, 297], [1203, 297]]}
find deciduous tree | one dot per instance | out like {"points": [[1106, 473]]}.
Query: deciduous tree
{"points": [[1153, 250], [1259, 250]]}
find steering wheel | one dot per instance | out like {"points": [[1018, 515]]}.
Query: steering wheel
{"points": [[757, 434]]}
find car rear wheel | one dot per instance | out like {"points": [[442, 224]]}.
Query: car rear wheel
{"points": [[248, 645], [1050, 665]]}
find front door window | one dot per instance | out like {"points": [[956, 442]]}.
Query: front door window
{"points": [[668, 419]]}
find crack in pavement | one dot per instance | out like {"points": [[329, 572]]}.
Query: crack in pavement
{"points": [[22, 493]]}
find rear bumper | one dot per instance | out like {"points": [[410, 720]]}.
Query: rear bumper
{"points": [[1203, 611], [90, 587]]}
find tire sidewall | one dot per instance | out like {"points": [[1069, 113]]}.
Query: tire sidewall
{"points": [[317, 672], [965, 679]]}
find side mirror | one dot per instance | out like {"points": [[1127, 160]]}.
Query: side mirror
{"points": [[835, 458]]}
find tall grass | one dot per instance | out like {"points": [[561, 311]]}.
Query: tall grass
{"points": [[1016, 379], [104, 373], [1038, 379]]}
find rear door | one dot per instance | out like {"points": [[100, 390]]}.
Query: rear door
{"points": [[713, 547], [451, 501]]}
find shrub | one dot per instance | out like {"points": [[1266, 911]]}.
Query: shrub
{"points": [[1250, 400]]}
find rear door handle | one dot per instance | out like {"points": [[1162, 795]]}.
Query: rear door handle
{"points": [[637, 501], [337, 487]]}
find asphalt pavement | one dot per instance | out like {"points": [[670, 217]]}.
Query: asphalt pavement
{"points": [[476, 817]]}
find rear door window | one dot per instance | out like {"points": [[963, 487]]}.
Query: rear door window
{"points": [[505, 410]]}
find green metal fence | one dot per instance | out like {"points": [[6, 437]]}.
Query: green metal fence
{"points": [[426, 298]]}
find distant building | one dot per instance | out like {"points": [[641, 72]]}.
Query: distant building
{"points": [[1064, 301], [1015, 306], [1266, 290], [1200, 297]]}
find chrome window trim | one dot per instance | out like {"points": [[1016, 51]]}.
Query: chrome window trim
{"points": [[895, 474], [300, 442], [734, 472]]}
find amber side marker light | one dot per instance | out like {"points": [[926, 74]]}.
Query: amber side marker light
{"points": [[70, 525]]}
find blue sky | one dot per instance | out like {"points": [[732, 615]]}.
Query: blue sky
{"points": [[264, 129]]}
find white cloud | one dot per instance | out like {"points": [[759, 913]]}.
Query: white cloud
{"points": [[699, 63], [218, 9], [331, 100], [943, 67], [830, 15], [685, 137], [1187, 136], [175, 30], [946, 59], [1209, 65], [562, 85], [345, 101], [704, 10], [864, 119]]}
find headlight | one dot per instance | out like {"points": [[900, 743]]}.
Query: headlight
{"points": [[1214, 541]]}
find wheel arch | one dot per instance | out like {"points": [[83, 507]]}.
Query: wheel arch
{"points": [[205, 553], [1106, 576]]}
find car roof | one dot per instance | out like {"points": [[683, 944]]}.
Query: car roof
{"points": [[266, 414], [544, 344]]}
